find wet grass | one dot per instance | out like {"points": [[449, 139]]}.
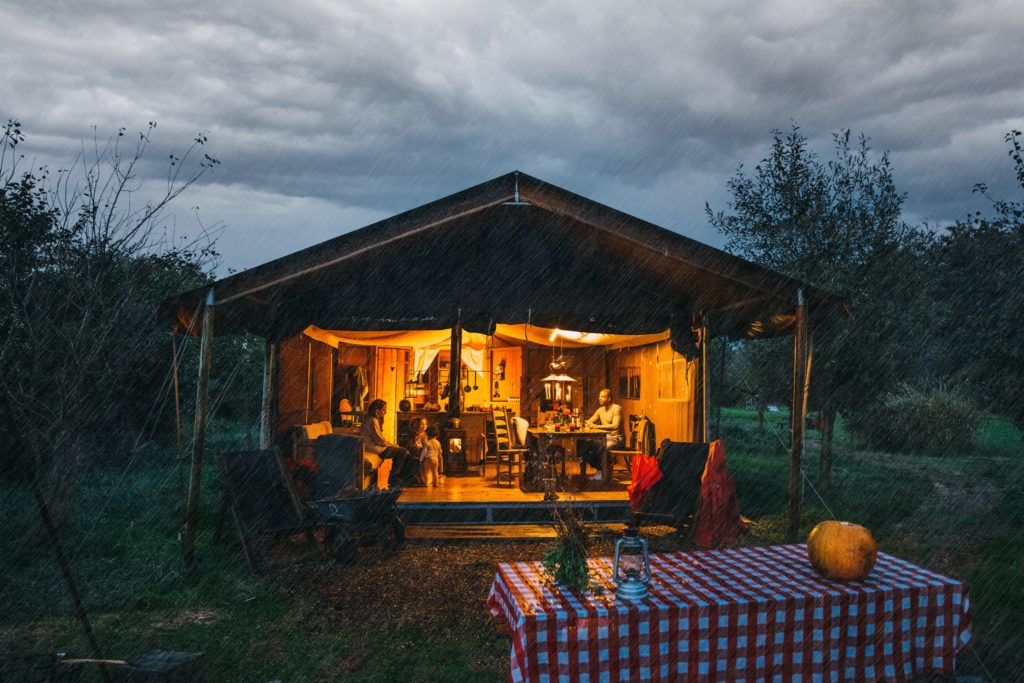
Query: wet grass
{"points": [[420, 615]]}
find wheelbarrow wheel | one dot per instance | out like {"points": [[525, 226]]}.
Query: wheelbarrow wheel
{"points": [[393, 534], [340, 544]]}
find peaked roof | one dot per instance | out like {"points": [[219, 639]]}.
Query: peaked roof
{"points": [[512, 250]]}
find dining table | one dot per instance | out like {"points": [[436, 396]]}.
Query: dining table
{"points": [[546, 437], [756, 613]]}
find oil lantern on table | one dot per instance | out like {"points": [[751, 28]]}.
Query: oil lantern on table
{"points": [[632, 568]]}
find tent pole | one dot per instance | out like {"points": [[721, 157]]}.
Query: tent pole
{"points": [[798, 416], [266, 422], [188, 541]]}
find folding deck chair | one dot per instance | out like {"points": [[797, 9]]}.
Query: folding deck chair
{"points": [[262, 503], [675, 500]]}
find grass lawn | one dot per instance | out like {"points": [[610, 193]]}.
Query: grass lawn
{"points": [[420, 614]]}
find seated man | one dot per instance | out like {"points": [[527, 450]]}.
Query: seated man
{"points": [[403, 468], [607, 418]]}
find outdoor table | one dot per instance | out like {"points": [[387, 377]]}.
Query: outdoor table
{"points": [[751, 614]]}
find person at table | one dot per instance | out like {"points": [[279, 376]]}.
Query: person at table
{"points": [[607, 418], [404, 468]]}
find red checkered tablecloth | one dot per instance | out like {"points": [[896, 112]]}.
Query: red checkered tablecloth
{"points": [[745, 614]]}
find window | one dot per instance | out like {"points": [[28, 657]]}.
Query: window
{"points": [[629, 383]]}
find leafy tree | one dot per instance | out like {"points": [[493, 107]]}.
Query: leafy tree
{"points": [[978, 289], [83, 266], [838, 226]]}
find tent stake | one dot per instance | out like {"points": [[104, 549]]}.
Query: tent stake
{"points": [[188, 541], [797, 418]]}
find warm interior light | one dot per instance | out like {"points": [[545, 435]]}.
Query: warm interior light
{"points": [[573, 336]]}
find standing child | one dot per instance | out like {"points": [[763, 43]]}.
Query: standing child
{"points": [[430, 457]]}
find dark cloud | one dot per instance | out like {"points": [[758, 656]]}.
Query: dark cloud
{"points": [[328, 115]]}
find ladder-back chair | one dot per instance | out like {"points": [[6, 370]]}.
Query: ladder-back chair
{"points": [[508, 455]]}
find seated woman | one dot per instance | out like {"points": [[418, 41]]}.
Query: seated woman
{"points": [[403, 467]]}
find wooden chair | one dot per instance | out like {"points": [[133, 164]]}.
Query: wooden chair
{"points": [[490, 453], [508, 455], [639, 440]]}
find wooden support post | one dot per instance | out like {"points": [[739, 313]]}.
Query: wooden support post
{"points": [[798, 414], [309, 381], [188, 541], [178, 457], [705, 378], [267, 405]]}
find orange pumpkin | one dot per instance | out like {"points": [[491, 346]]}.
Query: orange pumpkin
{"points": [[842, 551]]}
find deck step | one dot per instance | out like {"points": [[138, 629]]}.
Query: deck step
{"points": [[494, 532], [482, 513]]}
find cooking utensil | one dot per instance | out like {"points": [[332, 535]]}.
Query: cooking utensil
{"points": [[475, 387]]}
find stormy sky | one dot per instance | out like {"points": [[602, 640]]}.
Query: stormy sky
{"points": [[329, 115]]}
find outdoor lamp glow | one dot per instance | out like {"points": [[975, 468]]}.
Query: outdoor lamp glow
{"points": [[632, 568]]}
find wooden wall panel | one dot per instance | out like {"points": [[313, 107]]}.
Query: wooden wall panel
{"points": [[508, 391], [673, 417], [322, 357], [388, 383], [291, 383], [587, 366]]}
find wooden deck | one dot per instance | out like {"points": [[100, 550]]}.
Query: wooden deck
{"points": [[473, 500]]}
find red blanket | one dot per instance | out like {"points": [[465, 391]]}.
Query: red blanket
{"points": [[645, 473], [718, 518]]}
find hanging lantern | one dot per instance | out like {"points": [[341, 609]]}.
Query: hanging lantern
{"points": [[558, 388], [632, 568]]}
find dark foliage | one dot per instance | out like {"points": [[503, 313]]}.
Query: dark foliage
{"points": [[82, 269], [979, 299], [935, 419], [837, 226]]}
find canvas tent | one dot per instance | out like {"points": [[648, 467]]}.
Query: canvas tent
{"points": [[505, 257]]}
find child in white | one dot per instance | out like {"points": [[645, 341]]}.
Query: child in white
{"points": [[430, 457]]}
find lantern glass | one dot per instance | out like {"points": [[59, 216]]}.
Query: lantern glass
{"points": [[632, 568]]}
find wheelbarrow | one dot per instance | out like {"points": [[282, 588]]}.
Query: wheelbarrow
{"points": [[359, 518]]}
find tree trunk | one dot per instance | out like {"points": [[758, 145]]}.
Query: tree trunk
{"points": [[827, 460]]}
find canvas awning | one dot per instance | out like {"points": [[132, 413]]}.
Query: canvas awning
{"points": [[426, 344]]}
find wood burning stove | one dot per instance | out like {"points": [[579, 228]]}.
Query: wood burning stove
{"points": [[453, 445]]}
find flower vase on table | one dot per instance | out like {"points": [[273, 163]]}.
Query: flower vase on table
{"points": [[561, 418]]}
